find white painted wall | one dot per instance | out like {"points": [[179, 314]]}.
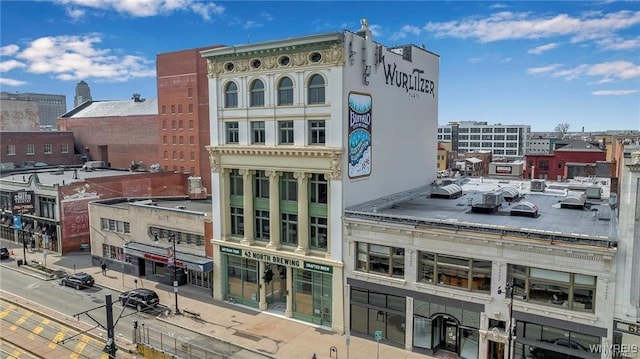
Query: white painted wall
{"points": [[404, 124]]}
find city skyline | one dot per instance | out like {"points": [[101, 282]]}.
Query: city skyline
{"points": [[535, 63]]}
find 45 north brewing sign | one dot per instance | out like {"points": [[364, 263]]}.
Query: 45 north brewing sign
{"points": [[22, 201]]}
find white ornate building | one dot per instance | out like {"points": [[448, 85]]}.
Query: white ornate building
{"points": [[300, 129]]}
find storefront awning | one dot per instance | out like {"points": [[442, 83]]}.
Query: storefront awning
{"points": [[159, 254]]}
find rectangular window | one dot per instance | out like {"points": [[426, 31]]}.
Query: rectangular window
{"points": [[258, 132], [181, 140], [31, 149], [174, 140], [47, 207], [316, 132], [173, 124], [190, 92], [285, 132], [554, 288], [192, 156], [235, 183], [487, 130], [191, 109], [180, 124], [237, 221], [318, 189], [173, 109], [289, 230], [192, 140], [288, 187], [261, 185], [48, 149], [191, 124], [385, 260], [460, 272], [180, 110], [318, 233], [231, 130], [64, 148], [164, 112], [498, 130], [10, 150], [262, 226]]}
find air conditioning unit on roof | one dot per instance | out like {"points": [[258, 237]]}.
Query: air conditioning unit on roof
{"points": [[538, 185]]}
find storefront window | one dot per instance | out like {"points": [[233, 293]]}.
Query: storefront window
{"points": [[383, 312], [242, 280], [312, 293], [542, 341]]}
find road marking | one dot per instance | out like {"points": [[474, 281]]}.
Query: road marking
{"points": [[15, 354], [104, 356], [80, 347], [35, 331], [6, 312], [19, 322], [56, 339]]}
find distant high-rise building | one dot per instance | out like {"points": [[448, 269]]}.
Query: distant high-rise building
{"points": [[83, 94], [49, 106], [507, 141]]}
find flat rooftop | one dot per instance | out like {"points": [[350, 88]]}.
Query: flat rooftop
{"points": [[52, 177], [594, 223], [197, 205]]}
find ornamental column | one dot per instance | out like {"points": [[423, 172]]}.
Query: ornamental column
{"points": [[274, 209], [303, 212], [225, 207], [247, 205]]}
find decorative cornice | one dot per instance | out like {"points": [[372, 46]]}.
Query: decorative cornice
{"points": [[332, 56]]}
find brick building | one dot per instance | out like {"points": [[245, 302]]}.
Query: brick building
{"points": [[116, 132], [553, 166], [183, 107], [22, 148]]}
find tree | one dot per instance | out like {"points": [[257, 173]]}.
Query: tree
{"points": [[563, 128]]}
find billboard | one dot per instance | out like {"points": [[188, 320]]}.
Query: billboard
{"points": [[359, 146], [75, 216], [503, 169], [23, 201]]}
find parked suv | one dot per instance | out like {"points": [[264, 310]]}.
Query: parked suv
{"points": [[78, 280], [4, 253], [140, 298]]}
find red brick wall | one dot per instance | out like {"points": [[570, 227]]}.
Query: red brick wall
{"points": [[38, 138], [116, 140], [556, 162], [183, 83]]}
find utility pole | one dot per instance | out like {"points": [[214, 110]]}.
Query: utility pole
{"points": [[175, 271], [110, 348]]}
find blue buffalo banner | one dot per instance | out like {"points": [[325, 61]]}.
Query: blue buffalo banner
{"points": [[359, 135]]}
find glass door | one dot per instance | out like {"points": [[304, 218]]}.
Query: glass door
{"points": [[277, 288], [451, 336]]}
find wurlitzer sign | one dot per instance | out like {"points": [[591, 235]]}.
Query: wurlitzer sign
{"points": [[23, 201]]}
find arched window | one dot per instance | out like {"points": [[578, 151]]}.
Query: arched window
{"points": [[285, 92], [316, 90], [257, 94], [231, 95]]}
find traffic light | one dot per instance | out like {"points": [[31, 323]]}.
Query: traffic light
{"points": [[268, 275]]}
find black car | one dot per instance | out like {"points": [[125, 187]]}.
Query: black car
{"points": [[78, 280], [140, 298], [542, 353], [4, 253]]}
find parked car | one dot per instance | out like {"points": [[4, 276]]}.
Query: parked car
{"points": [[4, 253], [141, 298], [78, 280], [541, 353]]}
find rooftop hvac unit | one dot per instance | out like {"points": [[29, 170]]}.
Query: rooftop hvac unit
{"points": [[538, 185], [195, 184], [492, 199], [593, 192]]}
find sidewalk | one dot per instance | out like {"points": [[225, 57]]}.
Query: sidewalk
{"points": [[264, 332]]}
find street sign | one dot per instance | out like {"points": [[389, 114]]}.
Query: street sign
{"points": [[378, 335]]}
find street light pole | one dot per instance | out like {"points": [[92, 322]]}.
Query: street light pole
{"points": [[175, 272], [509, 290]]}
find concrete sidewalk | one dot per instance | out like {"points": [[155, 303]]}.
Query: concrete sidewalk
{"points": [[263, 332]]}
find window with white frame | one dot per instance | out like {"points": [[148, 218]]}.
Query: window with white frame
{"points": [[258, 132], [115, 225], [285, 92], [262, 226], [10, 150], [285, 132], [261, 185], [466, 273], [378, 259], [288, 187], [48, 149], [231, 95], [237, 221], [316, 90], [316, 132], [64, 148], [31, 149], [256, 95], [232, 133], [318, 189], [47, 207], [289, 229], [235, 183], [318, 233]]}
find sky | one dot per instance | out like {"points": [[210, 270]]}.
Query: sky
{"points": [[540, 63]]}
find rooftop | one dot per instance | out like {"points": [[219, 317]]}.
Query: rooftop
{"points": [[114, 109], [197, 206], [65, 176], [593, 224]]}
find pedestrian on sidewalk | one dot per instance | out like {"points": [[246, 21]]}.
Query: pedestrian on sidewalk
{"points": [[104, 268], [314, 356]]}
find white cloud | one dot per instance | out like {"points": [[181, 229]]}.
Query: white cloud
{"points": [[498, 6], [266, 16], [405, 31], [542, 48], [509, 26], [9, 65], [9, 50], [543, 69], [78, 57], [614, 92], [250, 24], [11, 82], [142, 8], [617, 43]]}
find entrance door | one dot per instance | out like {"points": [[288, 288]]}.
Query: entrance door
{"points": [[277, 289], [445, 334], [451, 336], [495, 350]]}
